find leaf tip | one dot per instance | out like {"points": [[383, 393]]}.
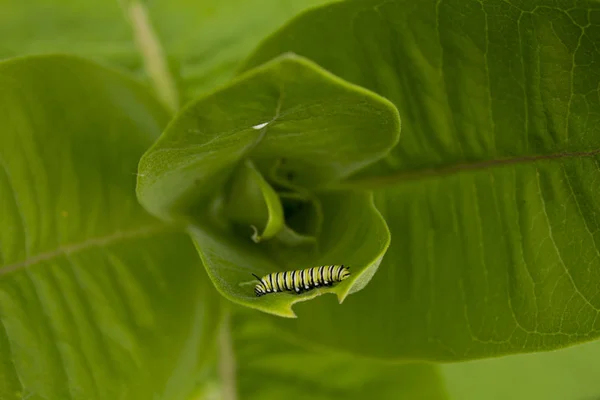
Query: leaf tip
{"points": [[342, 296], [288, 312]]}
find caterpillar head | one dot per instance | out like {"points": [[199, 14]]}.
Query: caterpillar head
{"points": [[259, 289], [345, 273]]}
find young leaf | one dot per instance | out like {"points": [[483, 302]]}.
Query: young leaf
{"points": [[490, 195], [98, 300], [354, 234], [291, 111], [253, 202], [287, 109]]}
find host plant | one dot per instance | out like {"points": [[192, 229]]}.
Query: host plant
{"points": [[154, 155]]}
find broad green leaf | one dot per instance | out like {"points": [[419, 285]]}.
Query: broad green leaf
{"points": [[570, 373], [303, 128], [490, 195], [98, 300], [270, 366]]}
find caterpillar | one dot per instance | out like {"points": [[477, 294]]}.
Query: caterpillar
{"points": [[301, 280]]}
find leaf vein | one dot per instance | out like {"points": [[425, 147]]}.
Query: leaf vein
{"points": [[406, 176], [583, 218], [69, 314], [17, 207], [46, 320], [558, 253], [100, 241], [11, 352], [99, 338]]}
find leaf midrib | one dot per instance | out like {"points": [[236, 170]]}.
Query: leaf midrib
{"points": [[376, 182], [117, 236]]}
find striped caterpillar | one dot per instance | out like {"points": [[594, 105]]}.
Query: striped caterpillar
{"points": [[301, 280]]}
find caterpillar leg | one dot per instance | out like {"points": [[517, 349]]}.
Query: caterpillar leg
{"points": [[303, 289]]}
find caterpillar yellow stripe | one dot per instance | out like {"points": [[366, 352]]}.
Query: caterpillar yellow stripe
{"points": [[302, 280]]}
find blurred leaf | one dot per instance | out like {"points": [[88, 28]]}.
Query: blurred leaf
{"points": [[98, 300], [288, 109], [209, 39], [272, 367], [204, 41], [567, 374], [92, 28], [490, 195]]}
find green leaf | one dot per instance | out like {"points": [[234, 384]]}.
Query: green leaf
{"points": [[209, 39], [271, 366], [253, 202], [231, 260], [94, 28], [203, 42], [287, 110], [565, 374], [490, 195], [98, 300]]}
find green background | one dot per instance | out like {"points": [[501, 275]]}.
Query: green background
{"points": [[489, 198]]}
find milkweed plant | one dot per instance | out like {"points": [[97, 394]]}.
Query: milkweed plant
{"points": [[285, 199]]}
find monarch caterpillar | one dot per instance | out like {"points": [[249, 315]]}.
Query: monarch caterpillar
{"points": [[301, 280]]}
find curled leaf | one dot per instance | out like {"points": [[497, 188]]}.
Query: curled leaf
{"points": [[270, 143]]}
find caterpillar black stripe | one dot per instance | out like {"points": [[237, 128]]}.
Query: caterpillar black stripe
{"points": [[301, 280]]}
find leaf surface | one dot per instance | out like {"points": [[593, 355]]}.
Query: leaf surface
{"points": [[253, 202], [95, 29], [208, 40], [98, 300], [491, 194], [203, 42]]}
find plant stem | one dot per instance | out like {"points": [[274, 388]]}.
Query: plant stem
{"points": [[153, 56], [227, 360]]}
